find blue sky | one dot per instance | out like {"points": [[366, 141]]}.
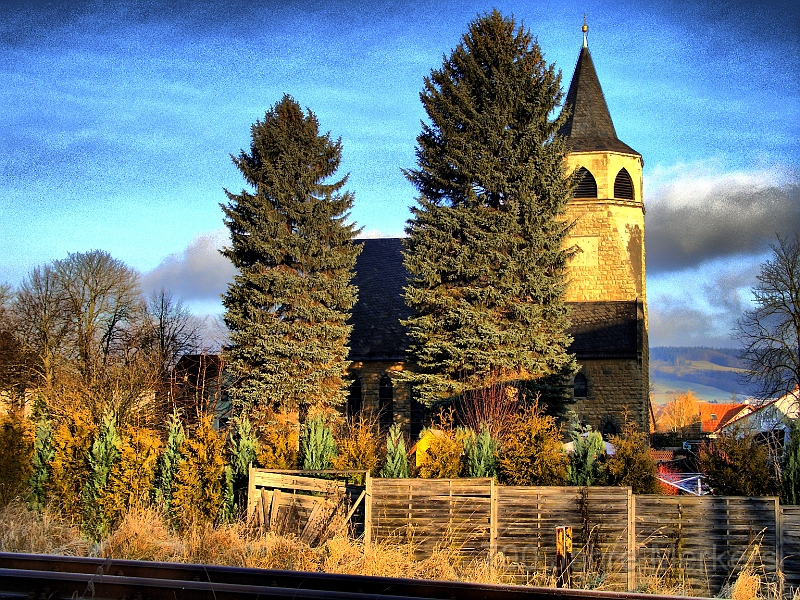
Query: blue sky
{"points": [[118, 120]]}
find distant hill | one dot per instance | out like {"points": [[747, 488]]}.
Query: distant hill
{"points": [[713, 374]]}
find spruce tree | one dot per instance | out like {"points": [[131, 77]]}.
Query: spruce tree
{"points": [[486, 243], [292, 245]]}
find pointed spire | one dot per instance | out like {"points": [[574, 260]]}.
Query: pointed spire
{"points": [[585, 30], [589, 126]]}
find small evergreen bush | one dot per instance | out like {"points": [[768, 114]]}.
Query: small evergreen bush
{"points": [[43, 452], [71, 466], [586, 462], [396, 465], [480, 451], [533, 453], [167, 464], [736, 464], [197, 493], [359, 445], [16, 450], [790, 468], [103, 456], [632, 464], [317, 446], [278, 439]]}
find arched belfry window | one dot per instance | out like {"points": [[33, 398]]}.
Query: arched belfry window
{"points": [[386, 402], [587, 186], [580, 386], [354, 398], [623, 185]]}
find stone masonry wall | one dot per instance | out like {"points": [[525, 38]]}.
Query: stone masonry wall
{"points": [[615, 386]]}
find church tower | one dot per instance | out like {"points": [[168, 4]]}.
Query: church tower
{"points": [[607, 275]]}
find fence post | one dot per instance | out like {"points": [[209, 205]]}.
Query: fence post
{"points": [[631, 540], [492, 520], [368, 510], [563, 557], [251, 491]]}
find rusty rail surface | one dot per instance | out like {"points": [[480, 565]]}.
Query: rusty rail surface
{"points": [[51, 577]]}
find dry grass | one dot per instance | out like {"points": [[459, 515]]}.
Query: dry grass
{"points": [[145, 534], [23, 530]]}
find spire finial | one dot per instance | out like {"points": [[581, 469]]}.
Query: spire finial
{"points": [[585, 30]]}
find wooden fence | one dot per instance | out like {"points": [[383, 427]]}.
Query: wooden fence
{"points": [[789, 546], [619, 540], [701, 541], [526, 519]]}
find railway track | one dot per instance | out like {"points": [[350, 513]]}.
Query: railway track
{"points": [[44, 577]]}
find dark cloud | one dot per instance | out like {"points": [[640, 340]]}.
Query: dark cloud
{"points": [[700, 306], [697, 220], [199, 273]]}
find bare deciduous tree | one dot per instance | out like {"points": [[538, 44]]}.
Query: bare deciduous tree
{"points": [[40, 311], [770, 333], [103, 298]]}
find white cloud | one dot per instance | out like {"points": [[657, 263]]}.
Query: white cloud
{"points": [[199, 274]]}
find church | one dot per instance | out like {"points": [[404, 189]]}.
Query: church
{"points": [[606, 293]]}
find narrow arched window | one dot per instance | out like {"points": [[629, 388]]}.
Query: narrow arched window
{"points": [[608, 429], [354, 398], [580, 386], [587, 186], [386, 402], [623, 185]]}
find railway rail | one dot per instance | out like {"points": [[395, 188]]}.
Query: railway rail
{"points": [[45, 577]]}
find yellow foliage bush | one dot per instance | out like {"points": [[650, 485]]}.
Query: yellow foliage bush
{"points": [[444, 455], [71, 466], [133, 476], [533, 454], [16, 450], [278, 436], [359, 445], [197, 490]]}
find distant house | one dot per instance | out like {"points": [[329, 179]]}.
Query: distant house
{"points": [[772, 418], [714, 416]]}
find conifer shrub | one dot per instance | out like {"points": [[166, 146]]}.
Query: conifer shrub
{"points": [[43, 453], [132, 477], [317, 445], [735, 464], [16, 449], [533, 453], [242, 448], [197, 490], [480, 453], [167, 464], [632, 464], [790, 468], [587, 459], [278, 435], [103, 457], [396, 465], [359, 445], [71, 466]]}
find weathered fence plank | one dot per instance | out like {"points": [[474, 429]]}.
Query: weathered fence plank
{"points": [[705, 540], [790, 544]]}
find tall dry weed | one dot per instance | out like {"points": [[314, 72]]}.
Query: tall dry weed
{"points": [[25, 530]]}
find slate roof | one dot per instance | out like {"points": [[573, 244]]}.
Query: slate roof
{"points": [[589, 126], [380, 277], [599, 329]]}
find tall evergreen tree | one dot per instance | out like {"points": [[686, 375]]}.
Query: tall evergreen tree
{"points": [[291, 242], [486, 244]]}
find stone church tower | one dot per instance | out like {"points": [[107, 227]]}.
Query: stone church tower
{"points": [[608, 273], [606, 294]]}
